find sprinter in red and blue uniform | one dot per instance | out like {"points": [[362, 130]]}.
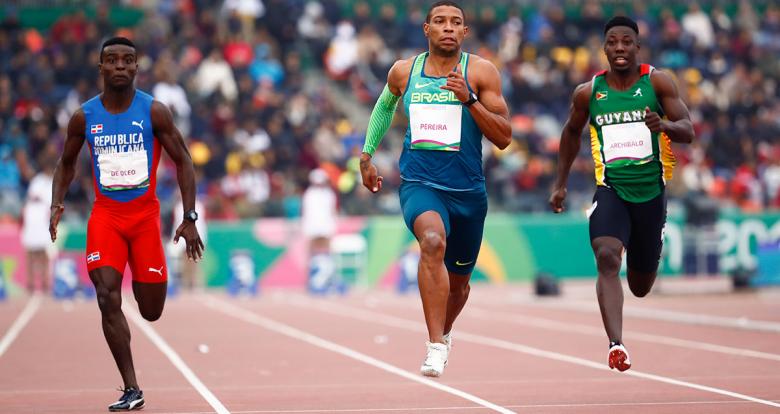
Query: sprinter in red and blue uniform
{"points": [[125, 129]]}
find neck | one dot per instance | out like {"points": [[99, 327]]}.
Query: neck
{"points": [[441, 64], [622, 80], [117, 100]]}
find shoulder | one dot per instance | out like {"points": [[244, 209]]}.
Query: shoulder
{"points": [[481, 68], [78, 120], [161, 115], [662, 81], [583, 91], [401, 68]]}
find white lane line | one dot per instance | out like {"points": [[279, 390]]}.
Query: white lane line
{"points": [[689, 318], [21, 321], [447, 409], [377, 317], [554, 325], [278, 327], [175, 359]]}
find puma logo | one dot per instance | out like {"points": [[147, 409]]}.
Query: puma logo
{"points": [[159, 271], [138, 124]]}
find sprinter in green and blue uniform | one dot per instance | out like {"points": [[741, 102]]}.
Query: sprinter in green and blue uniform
{"points": [[451, 99]]}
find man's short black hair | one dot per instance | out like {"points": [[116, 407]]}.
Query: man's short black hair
{"points": [[118, 40], [443, 3], [621, 21]]}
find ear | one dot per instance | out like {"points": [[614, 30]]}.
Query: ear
{"points": [[465, 30], [426, 28]]}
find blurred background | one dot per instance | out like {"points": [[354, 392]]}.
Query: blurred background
{"points": [[273, 99]]}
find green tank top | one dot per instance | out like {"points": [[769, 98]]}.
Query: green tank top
{"points": [[628, 157]]}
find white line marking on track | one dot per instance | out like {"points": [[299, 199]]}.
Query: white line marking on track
{"points": [[278, 327], [175, 359], [21, 321], [447, 409], [667, 315], [554, 325], [377, 317]]}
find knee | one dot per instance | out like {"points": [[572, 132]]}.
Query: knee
{"points": [[108, 301], [151, 315], [608, 261], [432, 244], [460, 290]]}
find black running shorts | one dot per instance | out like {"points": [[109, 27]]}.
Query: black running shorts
{"points": [[640, 226]]}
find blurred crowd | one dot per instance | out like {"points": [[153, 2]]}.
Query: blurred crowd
{"points": [[250, 83]]}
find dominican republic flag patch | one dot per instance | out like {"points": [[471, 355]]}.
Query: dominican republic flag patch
{"points": [[96, 129], [93, 257], [600, 96]]}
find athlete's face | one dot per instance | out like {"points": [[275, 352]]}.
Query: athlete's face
{"points": [[621, 46], [445, 30], [118, 66]]}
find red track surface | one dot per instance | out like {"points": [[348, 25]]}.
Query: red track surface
{"points": [[279, 353]]}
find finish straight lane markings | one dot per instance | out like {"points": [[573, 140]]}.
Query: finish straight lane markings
{"points": [[389, 320], [175, 359], [281, 328], [21, 321], [555, 325]]}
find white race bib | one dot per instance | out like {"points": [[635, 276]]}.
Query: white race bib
{"points": [[435, 126], [123, 170], [631, 141]]}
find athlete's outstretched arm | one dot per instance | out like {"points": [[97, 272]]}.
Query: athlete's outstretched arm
{"points": [[570, 143], [172, 141], [678, 127], [379, 122], [490, 112], [66, 168]]}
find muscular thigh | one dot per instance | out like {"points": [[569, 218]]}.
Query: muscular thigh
{"points": [[106, 243], [609, 216], [647, 221], [147, 258], [467, 212], [418, 198]]}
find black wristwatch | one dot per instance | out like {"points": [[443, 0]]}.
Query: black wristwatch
{"points": [[191, 215], [472, 99]]}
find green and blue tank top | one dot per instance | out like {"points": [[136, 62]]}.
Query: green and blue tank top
{"points": [[443, 144]]}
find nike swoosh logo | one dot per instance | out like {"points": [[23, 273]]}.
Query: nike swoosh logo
{"points": [[418, 86], [459, 263]]}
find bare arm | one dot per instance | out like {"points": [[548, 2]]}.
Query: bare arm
{"points": [[66, 169], [570, 142], [490, 112], [171, 139], [678, 126]]}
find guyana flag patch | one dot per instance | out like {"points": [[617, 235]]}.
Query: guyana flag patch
{"points": [[601, 95]]}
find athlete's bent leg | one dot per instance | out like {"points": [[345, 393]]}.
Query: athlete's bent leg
{"points": [[459, 294], [108, 287], [432, 277], [150, 298], [608, 252]]}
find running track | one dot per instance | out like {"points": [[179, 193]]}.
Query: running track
{"points": [[286, 352]]}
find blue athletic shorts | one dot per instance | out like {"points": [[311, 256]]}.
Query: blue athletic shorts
{"points": [[463, 214]]}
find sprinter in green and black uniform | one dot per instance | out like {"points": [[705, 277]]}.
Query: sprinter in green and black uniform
{"points": [[451, 99], [631, 147]]}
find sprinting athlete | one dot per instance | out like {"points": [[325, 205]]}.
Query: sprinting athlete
{"points": [[124, 129], [634, 113], [451, 99]]}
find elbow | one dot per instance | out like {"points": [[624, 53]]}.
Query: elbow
{"points": [[503, 140]]}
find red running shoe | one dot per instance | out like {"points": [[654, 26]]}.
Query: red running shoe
{"points": [[618, 358]]}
